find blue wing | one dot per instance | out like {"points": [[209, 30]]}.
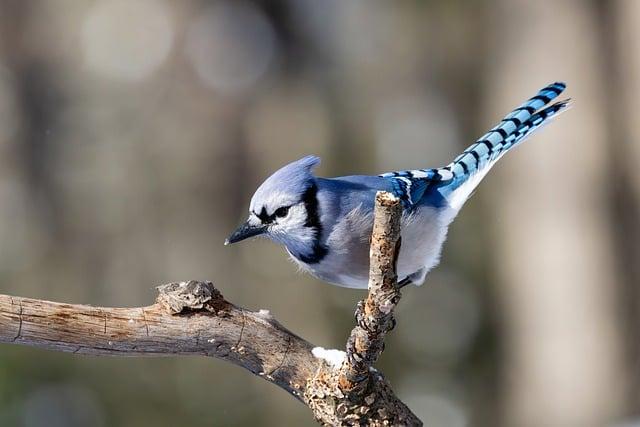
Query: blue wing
{"points": [[411, 185], [447, 184]]}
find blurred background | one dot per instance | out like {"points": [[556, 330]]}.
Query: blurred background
{"points": [[133, 133]]}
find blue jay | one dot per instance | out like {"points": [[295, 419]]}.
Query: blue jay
{"points": [[325, 223]]}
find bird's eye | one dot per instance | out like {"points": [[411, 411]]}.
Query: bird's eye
{"points": [[282, 212]]}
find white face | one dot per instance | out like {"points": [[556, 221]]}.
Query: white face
{"points": [[287, 223], [279, 217], [290, 223]]}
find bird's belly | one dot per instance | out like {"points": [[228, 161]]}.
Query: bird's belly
{"points": [[337, 270], [423, 233]]}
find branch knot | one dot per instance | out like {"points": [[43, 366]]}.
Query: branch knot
{"points": [[183, 297]]}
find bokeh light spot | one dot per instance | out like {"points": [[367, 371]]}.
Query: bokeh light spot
{"points": [[127, 40], [231, 46]]}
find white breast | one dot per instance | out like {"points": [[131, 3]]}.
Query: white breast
{"points": [[347, 263], [423, 234]]}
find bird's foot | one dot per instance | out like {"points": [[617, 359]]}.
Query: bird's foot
{"points": [[404, 282]]}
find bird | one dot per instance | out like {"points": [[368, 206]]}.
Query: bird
{"points": [[325, 224]]}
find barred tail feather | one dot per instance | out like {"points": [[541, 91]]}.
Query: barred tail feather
{"points": [[462, 176]]}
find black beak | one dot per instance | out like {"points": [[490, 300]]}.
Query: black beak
{"points": [[245, 231]]}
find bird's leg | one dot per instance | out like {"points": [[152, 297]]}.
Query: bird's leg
{"points": [[397, 254], [404, 282], [407, 280]]}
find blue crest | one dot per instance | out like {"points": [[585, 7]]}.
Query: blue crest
{"points": [[289, 182]]}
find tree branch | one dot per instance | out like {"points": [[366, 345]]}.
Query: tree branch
{"points": [[356, 393], [374, 316], [193, 318], [189, 318]]}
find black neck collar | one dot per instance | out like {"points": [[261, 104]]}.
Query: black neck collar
{"points": [[318, 250]]}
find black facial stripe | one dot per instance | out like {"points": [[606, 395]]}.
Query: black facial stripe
{"points": [[310, 201], [264, 217], [281, 212], [319, 251]]}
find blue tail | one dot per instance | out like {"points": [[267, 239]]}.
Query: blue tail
{"points": [[456, 181], [462, 175]]}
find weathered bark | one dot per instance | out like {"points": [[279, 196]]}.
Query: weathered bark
{"points": [[189, 318], [357, 394], [193, 318], [374, 315]]}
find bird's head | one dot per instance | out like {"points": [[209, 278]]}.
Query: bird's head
{"points": [[285, 208]]}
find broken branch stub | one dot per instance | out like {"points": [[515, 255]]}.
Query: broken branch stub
{"points": [[374, 315]]}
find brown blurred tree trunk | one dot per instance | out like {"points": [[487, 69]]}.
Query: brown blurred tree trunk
{"points": [[563, 351], [621, 65]]}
